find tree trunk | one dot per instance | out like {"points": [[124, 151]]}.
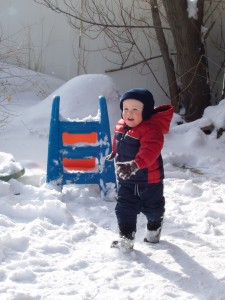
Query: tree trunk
{"points": [[192, 64], [169, 66]]}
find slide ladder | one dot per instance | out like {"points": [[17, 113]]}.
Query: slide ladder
{"points": [[77, 150]]}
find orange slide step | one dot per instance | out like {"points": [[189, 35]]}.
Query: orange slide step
{"points": [[79, 164]]}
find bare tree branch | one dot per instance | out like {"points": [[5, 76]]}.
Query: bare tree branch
{"points": [[136, 32]]}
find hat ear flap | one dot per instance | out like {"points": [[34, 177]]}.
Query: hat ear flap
{"points": [[147, 114]]}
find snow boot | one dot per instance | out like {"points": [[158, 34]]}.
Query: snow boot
{"points": [[123, 243], [153, 231], [127, 235]]}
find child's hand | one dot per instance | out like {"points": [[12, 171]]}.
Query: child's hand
{"points": [[110, 156], [125, 169]]}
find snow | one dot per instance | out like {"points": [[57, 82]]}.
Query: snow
{"points": [[192, 9], [8, 165], [56, 245]]}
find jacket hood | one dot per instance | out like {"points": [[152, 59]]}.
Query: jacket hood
{"points": [[162, 117]]}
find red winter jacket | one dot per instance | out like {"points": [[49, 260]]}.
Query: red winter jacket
{"points": [[143, 143]]}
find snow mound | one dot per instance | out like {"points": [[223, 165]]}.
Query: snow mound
{"points": [[78, 99]]}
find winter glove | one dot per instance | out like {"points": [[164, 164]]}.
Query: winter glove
{"points": [[110, 156], [125, 169]]}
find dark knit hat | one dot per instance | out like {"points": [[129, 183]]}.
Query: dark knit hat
{"points": [[143, 96]]}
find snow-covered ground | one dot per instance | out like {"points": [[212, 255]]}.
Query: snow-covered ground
{"points": [[56, 245]]}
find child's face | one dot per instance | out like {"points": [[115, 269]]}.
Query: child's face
{"points": [[132, 112]]}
